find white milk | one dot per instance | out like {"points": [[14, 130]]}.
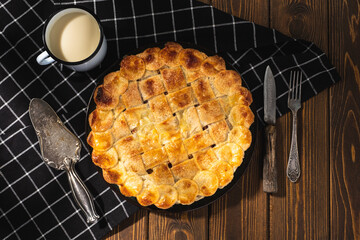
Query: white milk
{"points": [[74, 37]]}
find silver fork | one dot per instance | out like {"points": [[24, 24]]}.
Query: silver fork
{"points": [[294, 103]]}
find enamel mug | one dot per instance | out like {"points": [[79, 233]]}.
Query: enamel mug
{"points": [[73, 37]]}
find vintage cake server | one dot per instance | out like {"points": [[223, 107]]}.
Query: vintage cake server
{"points": [[60, 149]]}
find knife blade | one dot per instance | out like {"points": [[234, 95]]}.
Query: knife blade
{"points": [[269, 167], [60, 149]]}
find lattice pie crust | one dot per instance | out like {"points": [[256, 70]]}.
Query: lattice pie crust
{"points": [[171, 126]]}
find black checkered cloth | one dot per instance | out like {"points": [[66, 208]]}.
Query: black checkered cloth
{"points": [[35, 200]]}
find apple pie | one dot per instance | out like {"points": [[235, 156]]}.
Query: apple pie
{"points": [[170, 126]]}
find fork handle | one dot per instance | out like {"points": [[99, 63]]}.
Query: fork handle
{"points": [[293, 167], [269, 168]]}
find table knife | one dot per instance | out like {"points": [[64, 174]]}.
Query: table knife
{"points": [[60, 149], [269, 167]]}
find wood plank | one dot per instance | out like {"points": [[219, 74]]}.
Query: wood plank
{"points": [[301, 210], [180, 226], [242, 213], [255, 11], [345, 121], [304, 19], [135, 228]]}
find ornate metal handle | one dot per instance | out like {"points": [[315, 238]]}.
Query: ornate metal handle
{"points": [[293, 167], [80, 192]]}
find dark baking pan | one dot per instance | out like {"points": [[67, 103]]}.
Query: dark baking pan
{"points": [[206, 200]]}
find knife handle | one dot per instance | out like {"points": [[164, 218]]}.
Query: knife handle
{"points": [[269, 168], [80, 192]]}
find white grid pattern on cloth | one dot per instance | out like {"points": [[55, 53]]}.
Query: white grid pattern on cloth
{"points": [[214, 29], [135, 26], [193, 22], [56, 179], [68, 93], [234, 32], [153, 19], [116, 31], [173, 19], [22, 204]]}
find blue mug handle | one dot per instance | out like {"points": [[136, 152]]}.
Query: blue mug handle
{"points": [[44, 59]]}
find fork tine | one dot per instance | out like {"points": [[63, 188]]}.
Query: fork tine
{"points": [[290, 86], [300, 85], [297, 84], [293, 85]]}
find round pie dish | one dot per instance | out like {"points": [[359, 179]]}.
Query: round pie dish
{"points": [[172, 128]]}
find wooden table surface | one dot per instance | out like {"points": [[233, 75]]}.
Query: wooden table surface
{"points": [[325, 203]]}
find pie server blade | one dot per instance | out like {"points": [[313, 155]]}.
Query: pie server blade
{"points": [[60, 149]]}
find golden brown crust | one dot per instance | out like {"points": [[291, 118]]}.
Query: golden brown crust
{"points": [[100, 120], [162, 175], [181, 99], [231, 153], [154, 157], [152, 59], [212, 65], [170, 54], [187, 191], [168, 130], [132, 186], [241, 136], [197, 142], [219, 131], [116, 174], [202, 90], [224, 172], [186, 169], [120, 128], [171, 126], [100, 141], [191, 59], [132, 96], [137, 116], [239, 95], [132, 67], [205, 158], [134, 163], [149, 194], [128, 146], [241, 115], [151, 87], [149, 137], [193, 76], [225, 79], [210, 112], [119, 109], [176, 151], [207, 182], [173, 78], [104, 99], [225, 104], [168, 196], [115, 83], [106, 159], [160, 108], [193, 121]]}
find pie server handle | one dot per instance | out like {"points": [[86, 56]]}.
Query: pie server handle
{"points": [[80, 192]]}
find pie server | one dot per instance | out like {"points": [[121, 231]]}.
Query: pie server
{"points": [[60, 149]]}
